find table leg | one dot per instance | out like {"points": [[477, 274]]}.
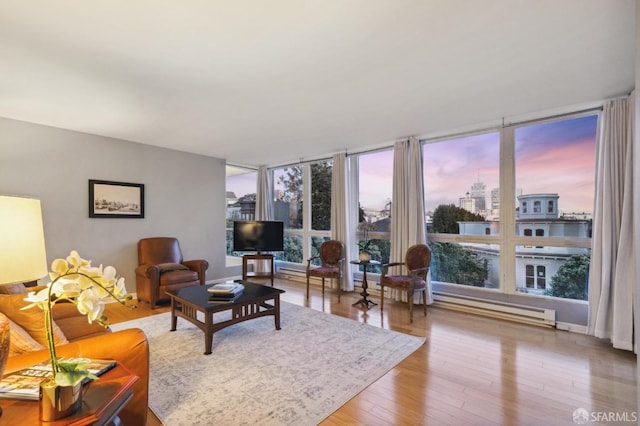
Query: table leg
{"points": [[365, 294], [276, 306], [208, 332], [174, 318]]}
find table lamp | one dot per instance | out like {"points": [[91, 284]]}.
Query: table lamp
{"points": [[22, 252]]}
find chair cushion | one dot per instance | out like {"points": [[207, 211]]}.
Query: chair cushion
{"points": [[177, 277], [403, 281], [168, 267], [326, 271]]}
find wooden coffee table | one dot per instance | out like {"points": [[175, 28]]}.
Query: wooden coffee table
{"points": [[187, 302]]}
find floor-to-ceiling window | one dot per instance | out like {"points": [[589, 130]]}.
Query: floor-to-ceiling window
{"points": [[555, 186], [462, 203], [302, 200], [320, 194], [511, 210], [240, 200], [375, 183]]}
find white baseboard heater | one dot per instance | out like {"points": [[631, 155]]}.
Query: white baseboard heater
{"points": [[301, 276], [508, 311], [296, 275]]}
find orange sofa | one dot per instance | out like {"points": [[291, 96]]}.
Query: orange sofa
{"points": [[76, 337]]}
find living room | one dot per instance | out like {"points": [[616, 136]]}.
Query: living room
{"points": [[50, 150]]}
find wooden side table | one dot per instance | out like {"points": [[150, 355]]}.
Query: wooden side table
{"points": [[262, 275], [365, 294], [102, 401]]}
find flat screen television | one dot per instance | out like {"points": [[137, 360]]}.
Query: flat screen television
{"points": [[258, 235]]}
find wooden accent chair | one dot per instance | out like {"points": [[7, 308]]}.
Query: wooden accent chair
{"points": [[332, 264], [161, 268], [417, 260]]}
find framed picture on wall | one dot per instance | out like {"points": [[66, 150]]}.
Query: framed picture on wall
{"points": [[116, 199]]}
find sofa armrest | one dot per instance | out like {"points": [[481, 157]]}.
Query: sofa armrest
{"points": [[129, 347]]}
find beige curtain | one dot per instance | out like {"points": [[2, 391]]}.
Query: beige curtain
{"points": [[612, 279], [407, 207], [340, 213], [264, 207], [264, 195]]}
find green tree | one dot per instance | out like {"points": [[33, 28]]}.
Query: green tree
{"points": [[321, 196], [451, 263], [292, 250], [570, 282], [291, 180], [447, 216]]}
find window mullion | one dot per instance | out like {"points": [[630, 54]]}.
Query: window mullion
{"points": [[507, 210], [306, 211]]}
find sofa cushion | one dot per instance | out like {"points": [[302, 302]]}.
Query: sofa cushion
{"points": [[17, 288], [31, 320], [73, 324], [21, 341]]}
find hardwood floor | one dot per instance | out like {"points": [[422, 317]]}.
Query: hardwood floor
{"points": [[474, 370]]}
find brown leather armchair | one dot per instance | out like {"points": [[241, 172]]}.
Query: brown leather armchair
{"points": [[161, 268]]}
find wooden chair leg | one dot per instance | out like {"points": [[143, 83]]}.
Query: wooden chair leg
{"points": [[410, 296], [381, 297], [339, 290], [307, 287], [323, 287], [424, 301]]}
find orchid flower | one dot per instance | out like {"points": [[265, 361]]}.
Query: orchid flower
{"points": [[74, 280]]}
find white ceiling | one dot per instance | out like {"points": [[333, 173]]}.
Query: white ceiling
{"points": [[270, 82]]}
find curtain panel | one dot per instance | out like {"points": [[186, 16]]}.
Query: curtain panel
{"points": [[340, 219], [612, 282], [407, 208], [264, 207]]}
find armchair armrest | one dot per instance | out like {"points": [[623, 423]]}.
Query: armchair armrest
{"points": [[309, 260], [419, 271], [200, 266], [149, 271], [386, 266]]}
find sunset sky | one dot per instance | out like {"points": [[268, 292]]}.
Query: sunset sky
{"points": [[554, 157], [557, 157]]}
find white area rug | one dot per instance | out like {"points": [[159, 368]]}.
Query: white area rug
{"points": [[298, 375]]}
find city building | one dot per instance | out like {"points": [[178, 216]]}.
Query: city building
{"points": [[535, 265]]}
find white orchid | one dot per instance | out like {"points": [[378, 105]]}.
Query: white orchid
{"points": [[87, 287]]}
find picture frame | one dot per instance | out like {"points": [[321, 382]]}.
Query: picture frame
{"points": [[110, 200]]}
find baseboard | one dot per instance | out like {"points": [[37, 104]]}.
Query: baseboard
{"points": [[573, 328]]}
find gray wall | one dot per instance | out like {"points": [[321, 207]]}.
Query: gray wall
{"points": [[184, 194]]}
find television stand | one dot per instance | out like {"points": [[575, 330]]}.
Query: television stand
{"points": [[255, 258]]}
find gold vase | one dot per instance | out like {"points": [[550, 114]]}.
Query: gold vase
{"points": [[57, 402]]}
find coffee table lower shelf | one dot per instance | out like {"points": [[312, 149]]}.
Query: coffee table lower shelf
{"points": [[186, 303]]}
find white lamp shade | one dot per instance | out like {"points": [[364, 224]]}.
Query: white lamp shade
{"points": [[22, 251]]}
